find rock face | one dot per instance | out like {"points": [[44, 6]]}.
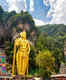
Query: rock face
{"points": [[3, 34], [9, 32]]}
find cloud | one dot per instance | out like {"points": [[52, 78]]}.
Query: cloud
{"points": [[57, 11], [58, 17], [19, 5], [16, 5], [39, 22], [31, 5], [65, 12], [4, 4], [25, 5], [46, 2], [52, 7], [12, 5]]}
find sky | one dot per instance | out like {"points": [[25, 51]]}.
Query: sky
{"points": [[42, 11]]}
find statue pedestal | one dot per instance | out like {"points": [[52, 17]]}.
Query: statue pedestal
{"points": [[27, 78], [17, 77]]}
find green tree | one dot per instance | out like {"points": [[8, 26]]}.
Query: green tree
{"points": [[41, 42], [32, 66], [45, 42], [1, 14], [58, 55], [9, 51], [45, 62]]}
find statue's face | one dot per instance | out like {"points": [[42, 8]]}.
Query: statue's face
{"points": [[23, 35]]}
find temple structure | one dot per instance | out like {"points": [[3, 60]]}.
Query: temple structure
{"points": [[3, 63]]}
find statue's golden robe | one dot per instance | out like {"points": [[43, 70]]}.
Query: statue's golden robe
{"points": [[21, 51]]}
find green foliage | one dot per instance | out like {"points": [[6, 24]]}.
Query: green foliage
{"points": [[32, 55], [9, 51], [1, 14], [45, 62], [47, 42], [41, 42], [1, 10], [54, 30], [58, 55]]}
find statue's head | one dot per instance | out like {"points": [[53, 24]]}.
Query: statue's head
{"points": [[23, 35]]}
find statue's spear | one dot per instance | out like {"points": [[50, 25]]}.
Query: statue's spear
{"points": [[13, 66]]}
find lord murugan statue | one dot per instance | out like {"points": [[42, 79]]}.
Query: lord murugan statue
{"points": [[21, 55]]}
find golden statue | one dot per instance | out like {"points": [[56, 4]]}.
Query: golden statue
{"points": [[21, 55]]}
